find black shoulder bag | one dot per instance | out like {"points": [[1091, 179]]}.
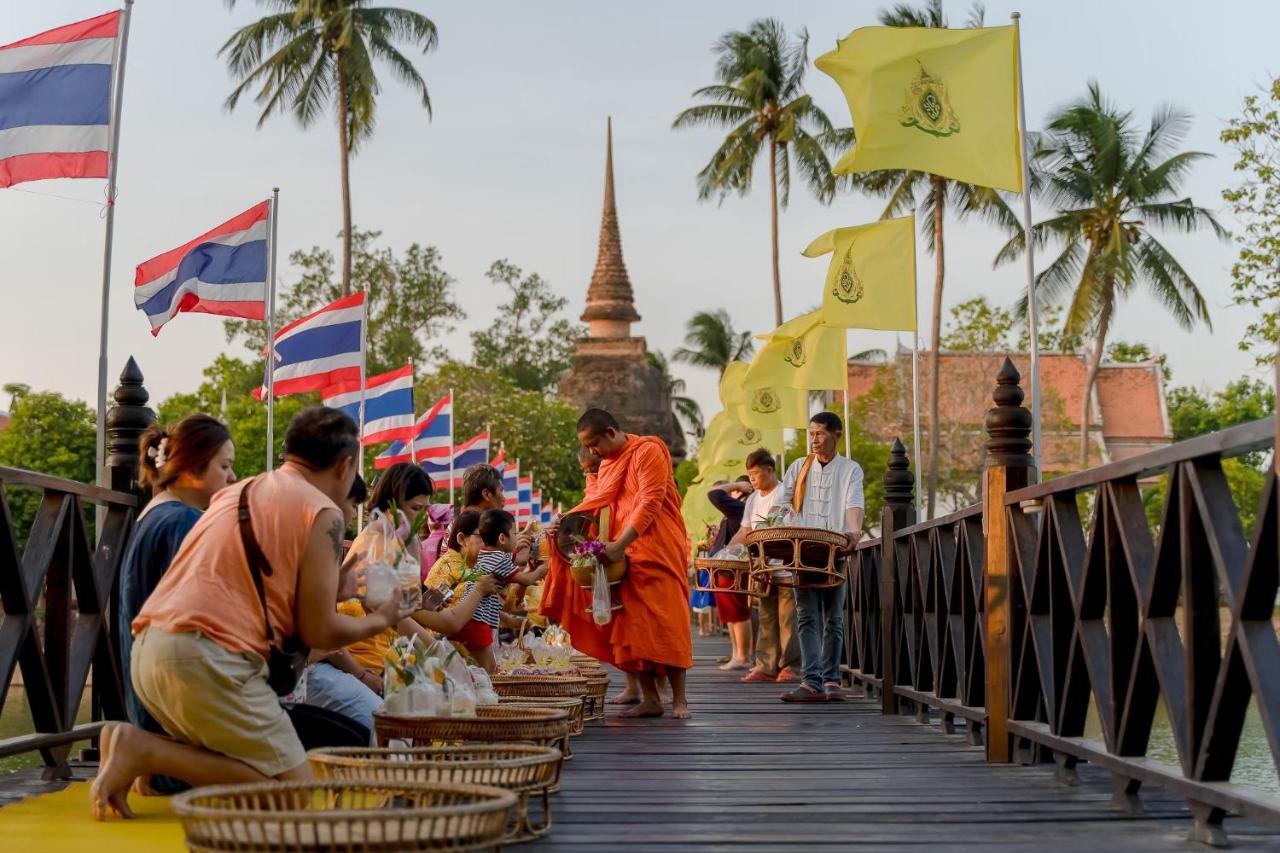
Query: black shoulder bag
{"points": [[286, 661]]}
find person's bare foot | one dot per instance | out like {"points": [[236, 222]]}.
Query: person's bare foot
{"points": [[626, 697], [644, 709], [680, 711], [110, 790]]}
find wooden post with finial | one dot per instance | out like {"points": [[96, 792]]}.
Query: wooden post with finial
{"points": [[126, 421], [899, 511], [1009, 467]]}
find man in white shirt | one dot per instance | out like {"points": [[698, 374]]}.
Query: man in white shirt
{"points": [[829, 491], [777, 652]]}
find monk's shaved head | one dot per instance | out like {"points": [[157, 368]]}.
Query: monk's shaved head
{"points": [[597, 421], [599, 433]]}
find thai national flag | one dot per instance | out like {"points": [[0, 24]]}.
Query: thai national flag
{"points": [[320, 349], [426, 443], [55, 102], [472, 452], [388, 404], [223, 271], [547, 513], [535, 508], [525, 497], [511, 487], [499, 462]]}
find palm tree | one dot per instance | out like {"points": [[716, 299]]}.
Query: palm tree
{"points": [[687, 412], [760, 98], [15, 390], [316, 54], [932, 197], [1109, 181], [712, 342]]}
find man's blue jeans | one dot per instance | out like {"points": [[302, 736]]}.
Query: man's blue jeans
{"points": [[820, 624]]}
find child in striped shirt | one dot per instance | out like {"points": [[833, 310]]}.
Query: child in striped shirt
{"points": [[502, 557]]}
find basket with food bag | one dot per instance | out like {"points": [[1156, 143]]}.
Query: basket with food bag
{"points": [[432, 680], [573, 706], [797, 557], [524, 769], [348, 814], [729, 571]]}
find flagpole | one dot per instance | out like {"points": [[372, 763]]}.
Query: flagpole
{"points": [[413, 439], [915, 418], [364, 337], [271, 329], [487, 441], [848, 431], [117, 101], [1032, 318], [452, 412]]}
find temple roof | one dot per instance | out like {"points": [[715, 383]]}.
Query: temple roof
{"points": [[609, 296]]}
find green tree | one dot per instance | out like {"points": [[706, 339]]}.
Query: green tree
{"points": [[760, 99], [685, 473], [410, 297], [1191, 413], [685, 410], [52, 435], [932, 197], [313, 56], [712, 342], [538, 430], [246, 417], [978, 326], [529, 342], [1109, 183], [15, 390], [1133, 352], [1255, 275]]}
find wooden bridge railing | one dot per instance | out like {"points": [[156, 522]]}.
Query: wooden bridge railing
{"points": [[57, 592], [1019, 617]]}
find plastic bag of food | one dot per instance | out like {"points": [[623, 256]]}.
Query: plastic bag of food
{"points": [[601, 607], [377, 550], [732, 552], [485, 694]]}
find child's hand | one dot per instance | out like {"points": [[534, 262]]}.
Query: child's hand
{"points": [[488, 585], [520, 556]]}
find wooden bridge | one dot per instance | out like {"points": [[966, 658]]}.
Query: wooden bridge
{"points": [[979, 645]]}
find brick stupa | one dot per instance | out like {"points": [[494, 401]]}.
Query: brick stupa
{"points": [[610, 367]]}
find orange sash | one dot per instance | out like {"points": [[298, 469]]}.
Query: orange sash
{"points": [[797, 494]]}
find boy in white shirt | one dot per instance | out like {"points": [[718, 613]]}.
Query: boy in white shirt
{"points": [[777, 652]]}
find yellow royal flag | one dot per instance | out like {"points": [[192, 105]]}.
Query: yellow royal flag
{"points": [[728, 442], [801, 353], [769, 408], [871, 280], [932, 100]]}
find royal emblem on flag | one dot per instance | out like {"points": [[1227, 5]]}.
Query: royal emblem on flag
{"points": [[928, 108], [849, 287], [765, 401], [796, 357], [749, 436]]}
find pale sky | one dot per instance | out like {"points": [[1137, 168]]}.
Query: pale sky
{"points": [[512, 165]]}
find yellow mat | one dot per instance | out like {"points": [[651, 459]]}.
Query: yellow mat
{"points": [[61, 823]]}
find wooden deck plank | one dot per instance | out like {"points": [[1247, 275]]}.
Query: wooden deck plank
{"points": [[752, 773]]}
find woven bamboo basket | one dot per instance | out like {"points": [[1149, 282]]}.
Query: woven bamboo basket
{"points": [[541, 686], [525, 770], [808, 557], [597, 689], [492, 724], [725, 576], [579, 660], [573, 706], [373, 816]]}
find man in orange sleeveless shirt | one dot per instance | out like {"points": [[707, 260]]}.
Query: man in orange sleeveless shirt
{"points": [[650, 634]]}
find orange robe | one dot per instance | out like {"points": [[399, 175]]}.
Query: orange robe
{"points": [[652, 628]]}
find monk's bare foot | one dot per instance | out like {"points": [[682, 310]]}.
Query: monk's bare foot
{"points": [[680, 711], [110, 790], [644, 709], [626, 697]]}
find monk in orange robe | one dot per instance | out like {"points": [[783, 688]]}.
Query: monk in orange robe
{"points": [[650, 634]]}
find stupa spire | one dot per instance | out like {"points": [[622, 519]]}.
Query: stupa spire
{"points": [[610, 302]]}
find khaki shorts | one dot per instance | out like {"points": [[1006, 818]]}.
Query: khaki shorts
{"points": [[217, 700]]}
